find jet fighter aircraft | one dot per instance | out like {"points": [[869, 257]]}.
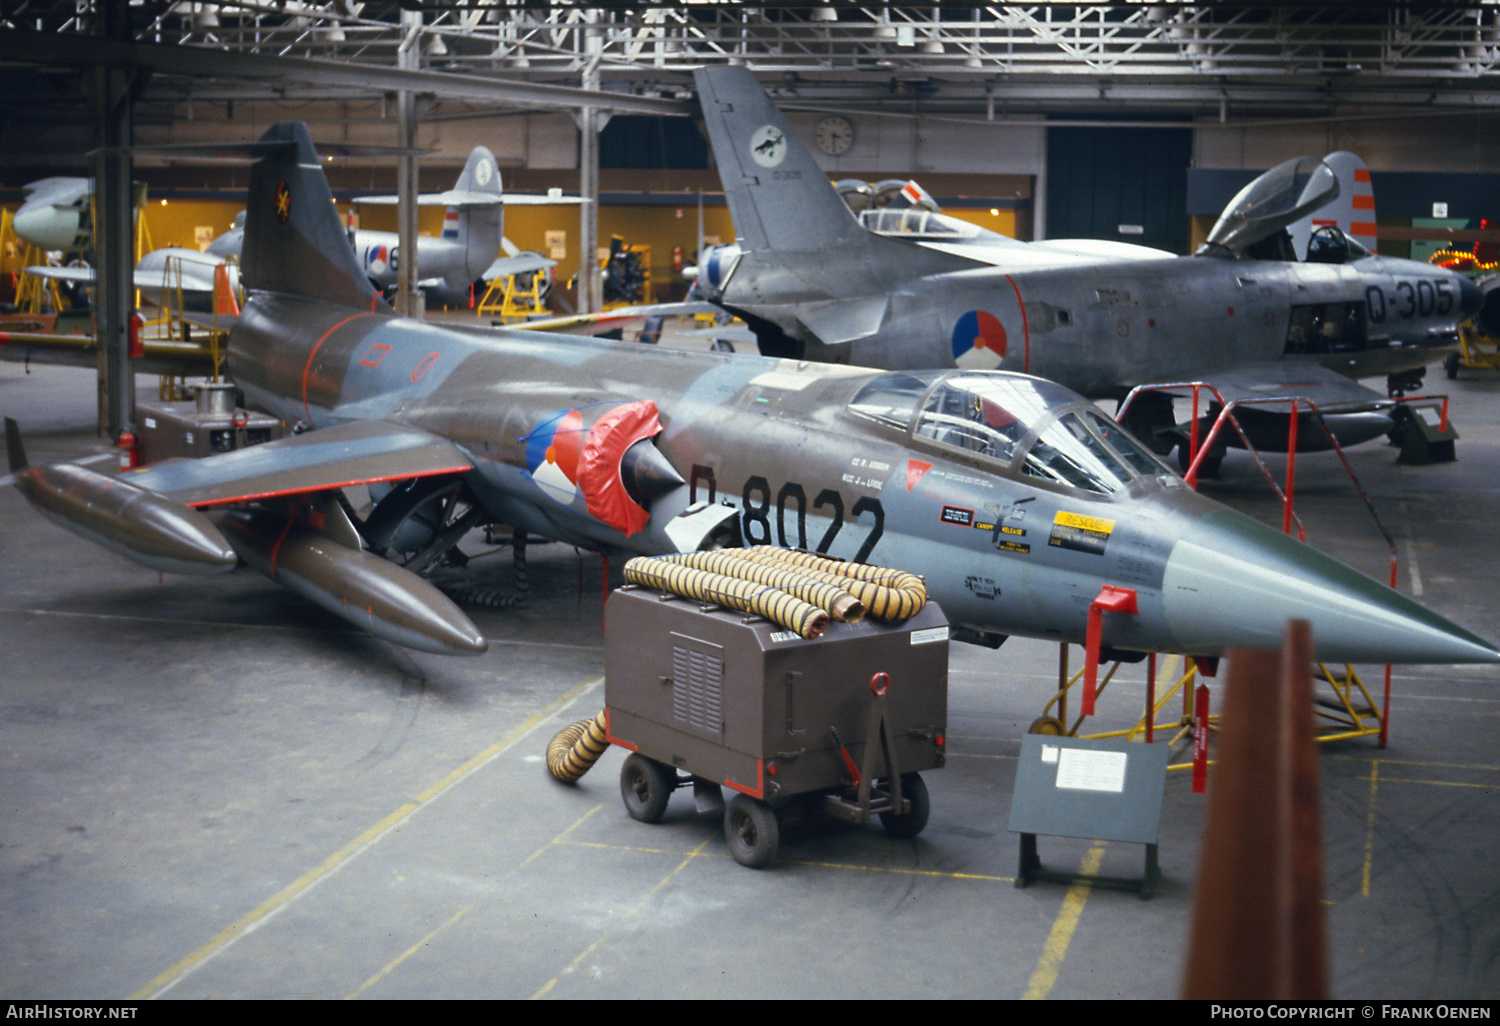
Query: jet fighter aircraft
{"points": [[473, 235], [1099, 317], [1014, 497], [55, 215]]}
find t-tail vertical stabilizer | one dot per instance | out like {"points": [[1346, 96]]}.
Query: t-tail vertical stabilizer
{"points": [[295, 243]]}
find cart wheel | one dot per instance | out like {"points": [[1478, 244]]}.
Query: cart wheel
{"points": [[1450, 365], [645, 785], [752, 831], [911, 824], [1049, 725]]}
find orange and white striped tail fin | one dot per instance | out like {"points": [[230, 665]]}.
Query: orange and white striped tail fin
{"points": [[1353, 211]]}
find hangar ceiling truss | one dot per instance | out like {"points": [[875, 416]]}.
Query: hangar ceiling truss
{"points": [[1233, 58]]}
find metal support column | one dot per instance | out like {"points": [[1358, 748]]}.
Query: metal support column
{"points": [[590, 286], [409, 299], [112, 91]]}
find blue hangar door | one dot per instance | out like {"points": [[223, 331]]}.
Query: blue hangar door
{"points": [[1122, 184]]}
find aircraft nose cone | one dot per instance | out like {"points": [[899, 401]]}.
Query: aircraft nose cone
{"points": [[1232, 580], [1470, 296], [1489, 310]]}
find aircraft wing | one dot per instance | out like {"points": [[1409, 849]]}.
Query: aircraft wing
{"points": [[163, 356], [84, 275], [191, 277], [475, 198], [357, 452], [540, 199], [1293, 378], [521, 263], [619, 317]]}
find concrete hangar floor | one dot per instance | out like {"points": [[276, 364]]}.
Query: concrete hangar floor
{"points": [[212, 789]]}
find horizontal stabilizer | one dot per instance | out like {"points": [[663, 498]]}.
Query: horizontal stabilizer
{"points": [[844, 320], [521, 263]]}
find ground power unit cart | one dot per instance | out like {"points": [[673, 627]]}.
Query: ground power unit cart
{"points": [[840, 724]]}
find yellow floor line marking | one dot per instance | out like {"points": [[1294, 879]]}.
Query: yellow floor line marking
{"points": [[418, 946], [258, 916], [1364, 876], [468, 908], [643, 903], [899, 870], [1478, 767], [1045, 975]]}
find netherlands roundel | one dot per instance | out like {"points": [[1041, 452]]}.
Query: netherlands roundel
{"points": [[979, 341]]}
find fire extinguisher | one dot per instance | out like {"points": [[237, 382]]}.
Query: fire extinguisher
{"points": [[677, 258], [133, 333], [130, 453]]}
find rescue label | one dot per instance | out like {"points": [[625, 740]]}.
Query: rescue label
{"points": [[1080, 533], [957, 515]]}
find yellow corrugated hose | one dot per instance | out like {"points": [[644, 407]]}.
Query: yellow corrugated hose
{"points": [[576, 748]]}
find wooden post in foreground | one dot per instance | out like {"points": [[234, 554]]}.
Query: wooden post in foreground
{"points": [[1258, 929]]}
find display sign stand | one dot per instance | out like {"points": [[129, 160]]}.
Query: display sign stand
{"points": [[1108, 790]]}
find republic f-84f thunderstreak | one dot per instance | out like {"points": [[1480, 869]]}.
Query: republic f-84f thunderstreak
{"points": [[1100, 317], [1014, 497]]}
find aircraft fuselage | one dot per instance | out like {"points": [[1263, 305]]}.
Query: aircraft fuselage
{"points": [[1104, 328], [779, 456]]}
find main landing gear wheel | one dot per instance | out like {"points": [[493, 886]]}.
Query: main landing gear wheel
{"points": [[752, 831], [645, 786], [911, 823], [1049, 725]]}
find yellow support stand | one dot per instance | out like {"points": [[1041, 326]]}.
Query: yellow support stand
{"points": [[513, 304], [1349, 712]]}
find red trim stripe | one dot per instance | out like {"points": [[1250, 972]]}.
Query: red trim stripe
{"points": [[250, 496], [1025, 327], [276, 549], [306, 371], [759, 792], [1362, 174]]}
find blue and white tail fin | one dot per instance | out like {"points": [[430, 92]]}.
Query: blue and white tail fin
{"points": [[1353, 211], [295, 242]]}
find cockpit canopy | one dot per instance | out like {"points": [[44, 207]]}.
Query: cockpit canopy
{"points": [[1013, 421], [916, 223], [1273, 201], [1328, 244]]}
